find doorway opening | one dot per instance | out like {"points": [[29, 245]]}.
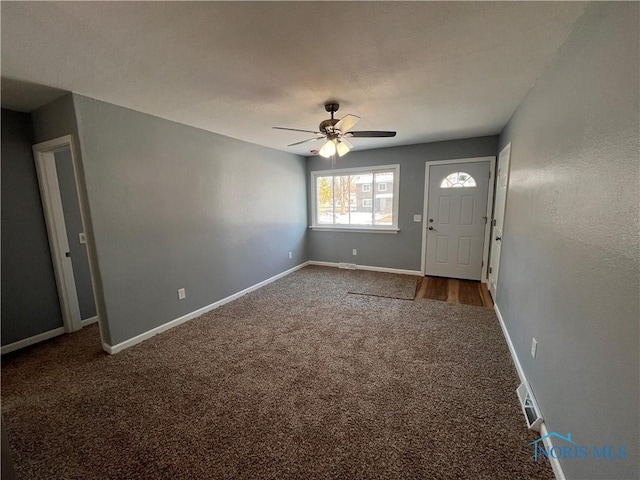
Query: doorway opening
{"points": [[458, 201], [65, 218]]}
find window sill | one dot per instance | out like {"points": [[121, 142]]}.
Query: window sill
{"points": [[393, 231]]}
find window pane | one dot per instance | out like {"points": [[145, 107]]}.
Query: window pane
{"points": [[458, 180], [343, 200], [324, 191], [383, 200], [361, 213], [360, 198]]}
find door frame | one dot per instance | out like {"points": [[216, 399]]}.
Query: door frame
{"points": [[507, 149], [44, 156], [487, 228]]}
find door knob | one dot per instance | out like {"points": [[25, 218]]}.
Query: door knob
{"points": [[431, 220], [498, 239], [430, 228]]}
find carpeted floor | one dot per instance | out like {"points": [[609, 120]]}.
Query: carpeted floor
{"points": [[401, 287], [298, 380]]}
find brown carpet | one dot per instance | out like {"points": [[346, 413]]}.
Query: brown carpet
{"points": [[298, 380], [402, 287]]}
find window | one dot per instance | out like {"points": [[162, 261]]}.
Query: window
{"points": [[356, 198], [457, 180]]}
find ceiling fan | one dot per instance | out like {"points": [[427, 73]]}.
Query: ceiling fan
{"points": [[337, 132]]}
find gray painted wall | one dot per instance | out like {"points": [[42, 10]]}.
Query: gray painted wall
{"points": [[54, 120], [569, 273], [177, 207], [29, 297], [73, 224], [404, 250]]}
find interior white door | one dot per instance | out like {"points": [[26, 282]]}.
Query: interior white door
{"points": [[44, 154], [502, 182], [456, 219]]}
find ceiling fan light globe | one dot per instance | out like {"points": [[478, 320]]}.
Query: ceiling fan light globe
{"points": [[342, 149], [328, 149]]}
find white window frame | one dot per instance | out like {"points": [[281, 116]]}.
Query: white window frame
{"points": [[394, 228], [367, 189], [382, 187], [370, 200]]}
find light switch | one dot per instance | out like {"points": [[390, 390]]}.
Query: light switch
{"points": [[417, 218], [83, 237]]}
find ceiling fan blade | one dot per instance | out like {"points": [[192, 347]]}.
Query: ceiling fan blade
{"points": [[295, 129], [370, 133], [305, 141], [346, 123], [346, 142]]}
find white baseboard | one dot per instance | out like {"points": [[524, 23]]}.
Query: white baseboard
{"points": [[41, 337], [89, 321], [112, 349], [368, 267], [323, 264], [555, 463], [512, 350]]}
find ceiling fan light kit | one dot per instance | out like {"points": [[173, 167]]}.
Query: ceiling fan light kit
{"points": [[336, 132]]}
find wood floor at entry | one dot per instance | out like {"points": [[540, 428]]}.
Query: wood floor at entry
{"points": [[451, 290]]}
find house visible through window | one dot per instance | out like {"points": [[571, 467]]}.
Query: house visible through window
{"points": [[344, 198], [457, 180]]}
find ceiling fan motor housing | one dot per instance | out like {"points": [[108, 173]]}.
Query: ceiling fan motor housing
{"points": [[326, 126]]}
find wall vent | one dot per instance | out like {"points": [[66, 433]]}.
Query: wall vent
{"points": [[530, 408], [348, 266]]}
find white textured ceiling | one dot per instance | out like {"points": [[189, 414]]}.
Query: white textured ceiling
{"points": [[430, 70]]}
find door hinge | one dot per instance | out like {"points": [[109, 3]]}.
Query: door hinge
{"points": [[493, 222], [490, 270], [482, 263]]}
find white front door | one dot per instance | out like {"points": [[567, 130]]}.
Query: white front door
{"points": [[456, 219], [502, 181]]}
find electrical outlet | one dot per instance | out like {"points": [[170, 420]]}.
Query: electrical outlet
{"points": [[290, 255], [181, 294], [534, 347], [355, 251]]}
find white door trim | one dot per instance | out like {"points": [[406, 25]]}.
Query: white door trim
{"points": [[487, 229], [43, 154]]}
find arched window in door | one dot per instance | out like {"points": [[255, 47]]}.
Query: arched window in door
{"points": [[457, 180]]}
